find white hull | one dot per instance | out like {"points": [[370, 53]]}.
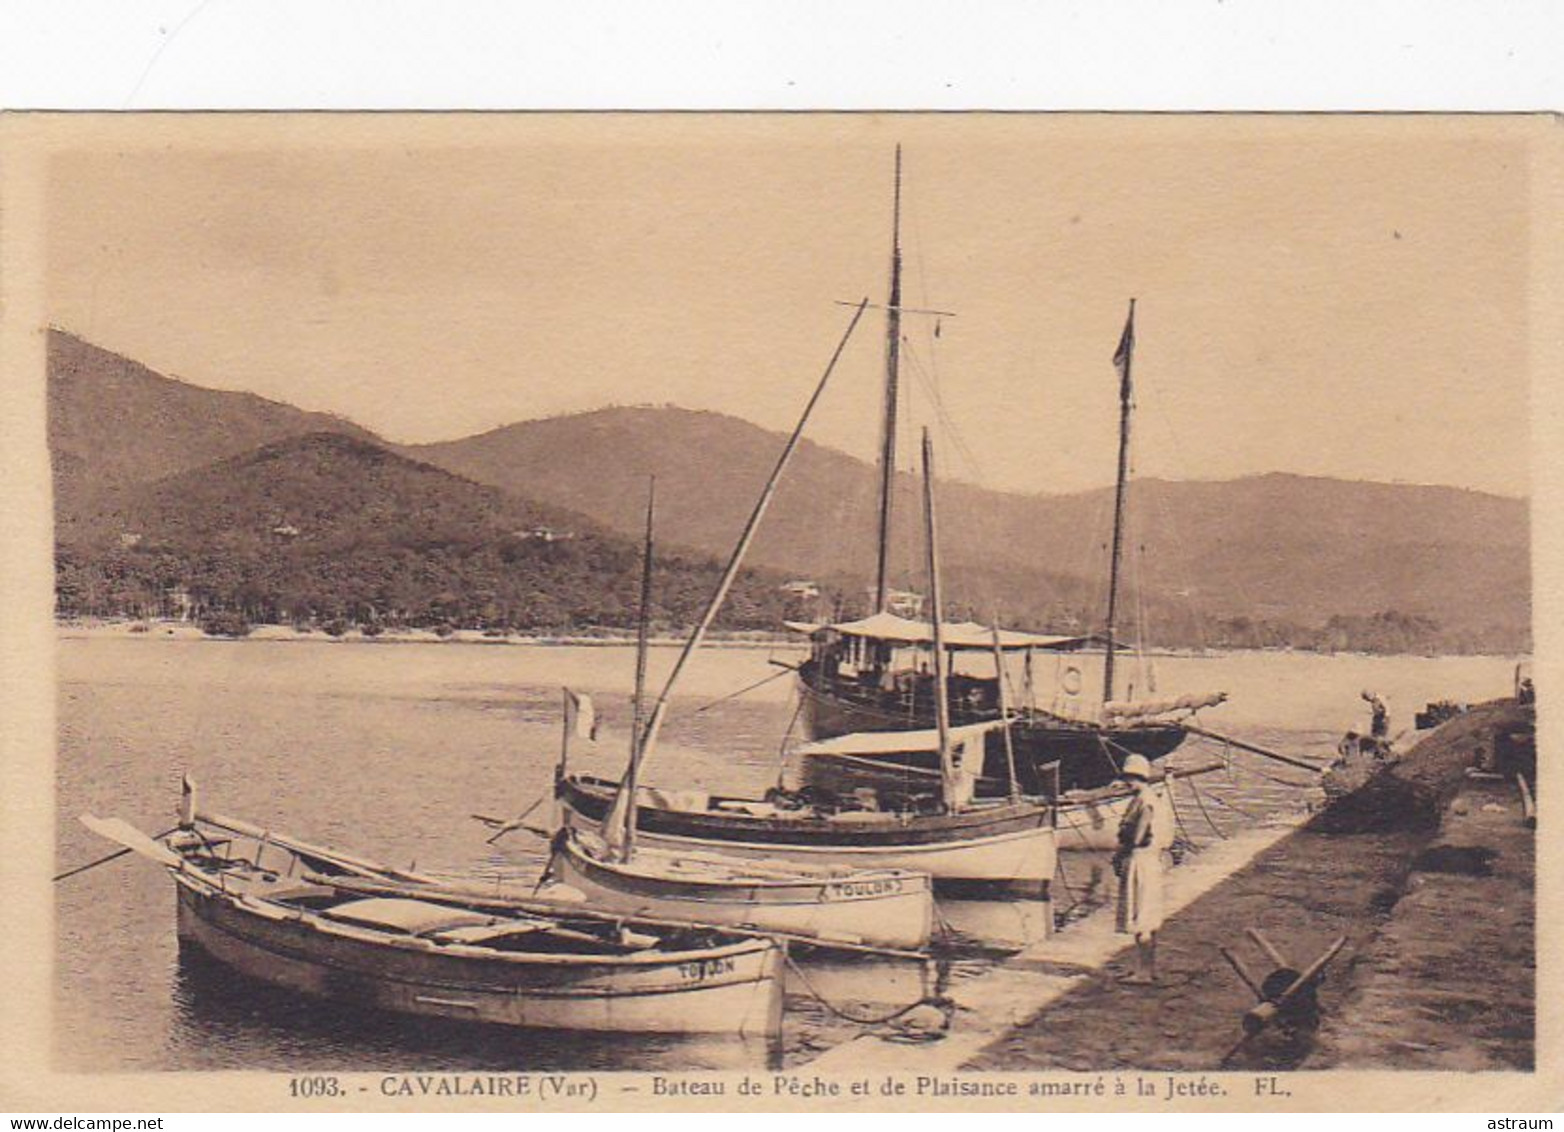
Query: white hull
{"points": [[735, 991], [1024, 857], [880, 909]]}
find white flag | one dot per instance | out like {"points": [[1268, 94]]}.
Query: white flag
{"points": [[580, 715]]}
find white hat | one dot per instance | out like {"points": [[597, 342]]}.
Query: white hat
{"points": [[1135, 766]]}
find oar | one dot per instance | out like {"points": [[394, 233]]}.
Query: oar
{"points": [[133, 840], [477, 898], [1252, 749]]}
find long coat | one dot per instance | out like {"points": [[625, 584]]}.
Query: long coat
{"points": [[1141, 842]]}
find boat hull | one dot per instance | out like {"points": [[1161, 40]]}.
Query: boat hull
{"points": [[878, 909], [997, 843], [733, 990], [1088, 754]]}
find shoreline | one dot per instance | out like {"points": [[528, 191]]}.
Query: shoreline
{"points": [[275, 634], [750, 639]]}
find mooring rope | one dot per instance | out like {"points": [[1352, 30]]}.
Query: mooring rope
{"points": [[936, 1000], [785, 671], [1178, 817], [1200, 801], [515, 822], [787, 738], [1064, 879], [114, 856]]}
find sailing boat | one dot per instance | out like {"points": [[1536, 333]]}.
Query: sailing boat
{"points": [[872, 674], [826, 906], [953, 837]]}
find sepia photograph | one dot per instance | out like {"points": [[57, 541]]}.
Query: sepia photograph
{"points": [[768, 610]]}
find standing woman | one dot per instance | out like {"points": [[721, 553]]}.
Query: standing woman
{"points": [[1139, 865]]}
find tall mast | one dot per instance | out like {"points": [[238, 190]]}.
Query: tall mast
{"points": [[941, 692], [659, 709], [892, 378], [1121, 359], [642, 641]]}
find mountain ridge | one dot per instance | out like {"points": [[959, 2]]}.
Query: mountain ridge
{"points": [[1277, 549]]}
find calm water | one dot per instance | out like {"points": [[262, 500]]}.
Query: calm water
{"points": [[386, 749]]}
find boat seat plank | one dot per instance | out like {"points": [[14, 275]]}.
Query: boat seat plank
{"points": [[415, 917]]}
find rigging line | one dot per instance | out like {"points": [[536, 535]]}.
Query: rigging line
{"points": [[947, 422], [1199, 801], [1064, 879], [787, 737], [761, 683], [1219, 800], [1178, 816], [1142, 622], [1103, 743]]}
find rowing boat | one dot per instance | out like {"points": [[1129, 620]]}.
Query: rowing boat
{"points": [[822, 904], [308, 919]]}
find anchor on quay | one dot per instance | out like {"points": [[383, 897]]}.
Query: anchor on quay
{"points": [[1288, 996]]}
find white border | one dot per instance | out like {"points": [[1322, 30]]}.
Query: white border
{"points": [[782, 54]]}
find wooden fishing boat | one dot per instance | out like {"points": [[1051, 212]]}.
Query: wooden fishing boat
{"points": [[826, 905], [873, 673], [954, 838], [1088, 820], [999, 842], [321, 923]]}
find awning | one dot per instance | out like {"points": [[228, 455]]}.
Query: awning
{"points": [[895, 742], [958, 635]]}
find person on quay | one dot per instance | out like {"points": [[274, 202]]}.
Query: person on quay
{"points": [[1139, 865]]}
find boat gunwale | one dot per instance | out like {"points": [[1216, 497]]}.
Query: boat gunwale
{"points": [[296, 955], [837, 849], [981, 812], [921, 883], [195, 880], [1026, 718]]}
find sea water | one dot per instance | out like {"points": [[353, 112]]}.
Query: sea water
{"points": [[387, 749]]}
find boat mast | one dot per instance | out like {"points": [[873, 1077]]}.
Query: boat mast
{"points": [[1121, 359], [659, 709], [948, 783], [892, 380], [1004, 709], [642, 641]]}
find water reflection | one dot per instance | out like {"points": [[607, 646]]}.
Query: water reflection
{"points": [[228, 1021], [386, 751]]}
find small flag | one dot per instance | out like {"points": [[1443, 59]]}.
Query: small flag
{"points": [[580, 715], [187, 801], [1121, 356]]}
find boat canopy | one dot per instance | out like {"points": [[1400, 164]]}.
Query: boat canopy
{"points": [[895, 742], [958, 635]]}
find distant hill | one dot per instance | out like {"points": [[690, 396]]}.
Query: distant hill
{"points": [[710, 468], [1289, 550], [114, 422], [1274, 559], [326, 526]]}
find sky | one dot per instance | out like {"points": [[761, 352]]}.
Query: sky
{"points": [[1338, 296]]}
